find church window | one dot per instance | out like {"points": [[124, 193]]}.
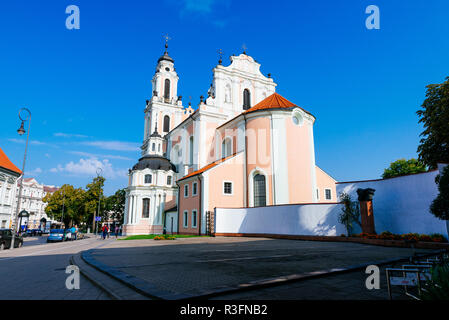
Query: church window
{"points": [[185, 219], [191, 150], [259, 191], [297, 117], [194, 219], [194, 189], [159, 148], [227, 188], [148, 178], [226, 148], [328, 194], [166, 124], [169, 180], [146, 208], [186, 191], [167, 69], [167, 89], [246, 99], [153, 147]]}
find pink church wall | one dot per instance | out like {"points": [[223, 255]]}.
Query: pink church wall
{"points": [[299, 162], [324, 181], [259, 150], [231, 171], [188, 204]]}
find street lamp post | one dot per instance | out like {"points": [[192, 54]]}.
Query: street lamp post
{"points": [[63, 202], [21, 131], [99, 172]]}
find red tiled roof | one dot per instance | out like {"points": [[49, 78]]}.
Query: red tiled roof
{"points": [[207, 167], [7, 164], [275, 101]]}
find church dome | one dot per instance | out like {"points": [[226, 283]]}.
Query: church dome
{"points": [[155, 163]]}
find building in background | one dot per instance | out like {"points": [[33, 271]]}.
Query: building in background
{"points": [[9, 175], [32, 194]]}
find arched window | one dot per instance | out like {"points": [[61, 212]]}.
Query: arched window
{"points": [[246, 99], [146, 208], [167, 89], [260, 199], [226, 148], [166, 124]]}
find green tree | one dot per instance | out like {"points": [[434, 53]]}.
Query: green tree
{"points": [[403, 167], [71, 199], [434, 115], [440, 206], [115, 205], [350, 213], [94, 192]]}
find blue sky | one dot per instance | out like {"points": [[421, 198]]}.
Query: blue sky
{"points": [[87, 88]]}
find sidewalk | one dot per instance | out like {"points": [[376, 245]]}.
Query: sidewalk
{"points": [[214, 267]]}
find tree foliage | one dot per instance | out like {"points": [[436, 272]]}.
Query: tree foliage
{"points": [[403, 167], [115, 205], [69, 198], [350, 213], [94, 193], [434, 115], [440, 206]]}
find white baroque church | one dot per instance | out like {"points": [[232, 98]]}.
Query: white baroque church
{"points": [[243, 146]]}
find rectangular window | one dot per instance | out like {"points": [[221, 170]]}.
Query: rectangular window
{"points": [[148, 178], [186, 191], [194, 219], [328, 194], [227, 188], [3, 224], [318, 194], [169, 180], [185, 219], [146, 208], [194, 189]]}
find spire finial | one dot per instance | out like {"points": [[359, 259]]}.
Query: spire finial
{"points": [[220, 54], [167, 38], [244, 47]]}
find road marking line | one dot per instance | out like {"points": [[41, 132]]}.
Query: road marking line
{"points": [[246, 258]]}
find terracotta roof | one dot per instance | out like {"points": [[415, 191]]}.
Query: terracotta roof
{"points": [[207, 167], [7, 164], [49, 189], [275, 101]]}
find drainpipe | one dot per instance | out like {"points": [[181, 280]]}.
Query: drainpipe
{"points": [[178, 205], [200, 211], [245, 173]]}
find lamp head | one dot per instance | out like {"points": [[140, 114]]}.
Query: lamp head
{"points": [[21, 130]]}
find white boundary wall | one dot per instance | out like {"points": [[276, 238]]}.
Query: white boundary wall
{"points": [[401, 204], [298, 219]]}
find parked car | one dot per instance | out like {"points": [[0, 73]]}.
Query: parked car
{"points": [[57, 235], [33, 232], [6, 237]]}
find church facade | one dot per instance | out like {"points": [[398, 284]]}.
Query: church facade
{"points": [[243, 146]]}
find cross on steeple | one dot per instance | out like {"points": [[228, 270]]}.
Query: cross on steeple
{"points": [[220, 54], [167, 38]]}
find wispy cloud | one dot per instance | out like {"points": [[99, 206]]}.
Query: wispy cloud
{"points": [[203, 6], [88, 167], [69, 135], [113, 145], [95, 155], [22, 141], [34, 172]]}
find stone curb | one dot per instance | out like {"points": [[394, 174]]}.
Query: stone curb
{"points": [[147, 289], [91, 278], [141, 286]]}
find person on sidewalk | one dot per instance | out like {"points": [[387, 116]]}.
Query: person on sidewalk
{"points": [[116, 231], [104, 230]]}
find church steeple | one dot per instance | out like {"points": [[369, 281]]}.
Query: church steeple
{"points": [[155, 144], [165, 80]]}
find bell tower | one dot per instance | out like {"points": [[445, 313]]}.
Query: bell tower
{"points": [[164, 110]]}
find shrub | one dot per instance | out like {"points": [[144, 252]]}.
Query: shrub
{"points": [[438, 286], [425, 237], [411, 236], [436, 237]]}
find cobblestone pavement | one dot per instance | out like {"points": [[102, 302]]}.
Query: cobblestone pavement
{"points": [[37, 271], [195, 266]]}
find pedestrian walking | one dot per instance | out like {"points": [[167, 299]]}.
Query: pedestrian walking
{"points": [[116, 231], [104, 230]]}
